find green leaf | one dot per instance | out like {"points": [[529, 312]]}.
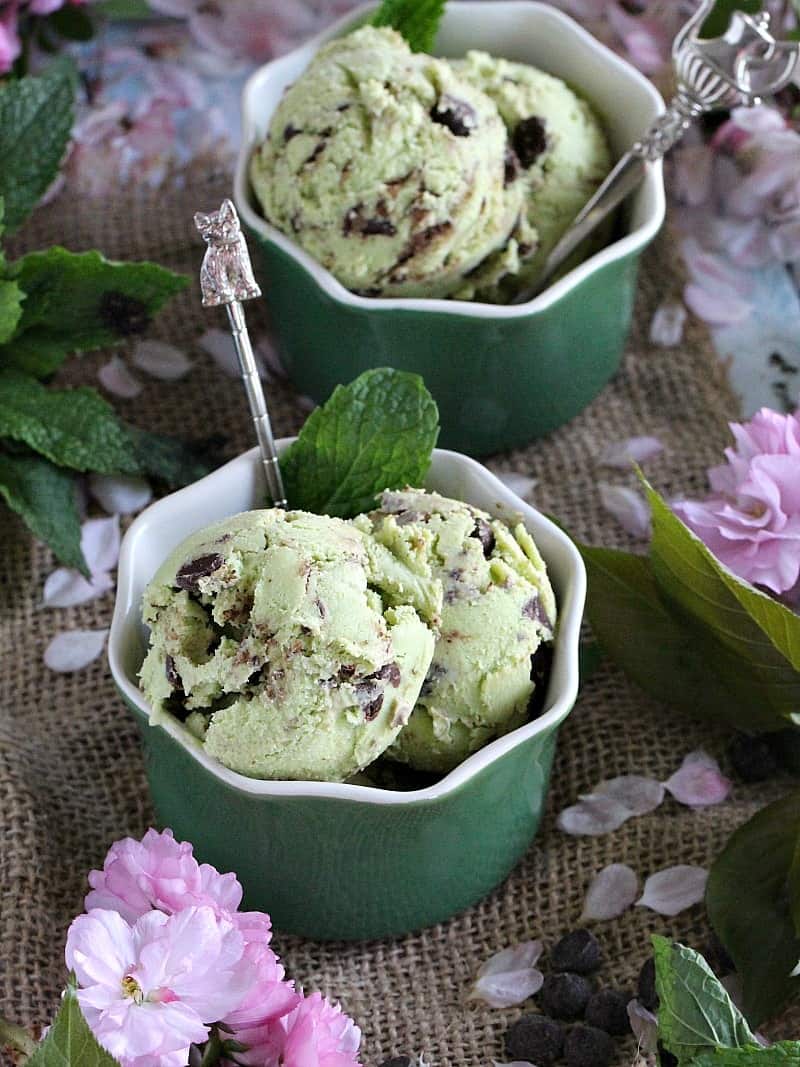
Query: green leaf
{"points": [[669, 656], [417, 20], [43, 495], [173, 461], [757, 638], [80, 301], [376, 433], [717, 22], [11, 297], [36, 117], [71, 427], [72, 23], [695, 1011], [749, 906], [784, 1054], [70, 1042]]}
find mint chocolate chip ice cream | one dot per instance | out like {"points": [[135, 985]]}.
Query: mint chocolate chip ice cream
{"points": [[278, 642], [498, 617]]}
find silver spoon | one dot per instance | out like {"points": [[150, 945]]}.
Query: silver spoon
{"points": [[226, 279], [717, 73]]}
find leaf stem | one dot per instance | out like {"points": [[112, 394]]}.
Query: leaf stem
{"points": [[16, 1037]]}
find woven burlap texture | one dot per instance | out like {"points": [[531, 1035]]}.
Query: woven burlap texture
{"points": [[71, 776]]}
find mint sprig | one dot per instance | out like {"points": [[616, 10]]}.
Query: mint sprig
{"points": [[43, 495], [417, 20], [376, 433], [70, 1042]]}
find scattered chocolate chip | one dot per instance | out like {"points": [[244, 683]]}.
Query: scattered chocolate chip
{"points": [[354, 222], [646, 985], [578, 951], [188, 577], [123, 314], [172, 675], [319, 148], [541, 664], [436, 672], [420, 241], [530, 140], [342, 107], [485, 535], [390, 673], [457, 115], [290, 131], [533, 610], [368, 292], [378, 228], [511, 166], [535, 1039], [374, 706], [586, 1046], [752, 758], [565, 995], [320, 608], [259, 676], [608, 1010], [346, 671]]}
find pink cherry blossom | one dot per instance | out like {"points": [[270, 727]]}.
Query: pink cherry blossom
{"points": [[150, 990], [319, 1034], [10, 45], [751, 522]]}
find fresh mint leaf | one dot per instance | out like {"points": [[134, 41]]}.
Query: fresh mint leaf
{"points": [[784, 1054], [376, 433], [70, 1042], [417, 20], [36, 117], [750, 906], [173, 461], [757, 637], [43, 495], [71, 427], [695, 1011], [11, 297], [80, 301]]}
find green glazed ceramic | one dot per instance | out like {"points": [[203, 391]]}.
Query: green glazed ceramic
{"points": [[336, 861], [501, 376]]}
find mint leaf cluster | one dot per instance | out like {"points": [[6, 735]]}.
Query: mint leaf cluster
{"points": [[70, 1041], [417, 20], [376, 433]]}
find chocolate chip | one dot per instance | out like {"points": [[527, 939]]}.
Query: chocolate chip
{"points": [[290, 131], [368, 292], [541, 663], [378, 228], [511, 166], [122, 314], [578, 951], [420, 241], [319, 148], [390, 673], [586, 1046], [530, 140], [374, 706], [320, 608], [533, 610], [354, 222], [457, 115], [342, 107], [188, 577], [485, 535], [346, 671], [172, 675], [436, 673], [535, 1039]]}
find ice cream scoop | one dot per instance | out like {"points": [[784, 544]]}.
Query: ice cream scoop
{"points": [[275, 638], [489, 668]]}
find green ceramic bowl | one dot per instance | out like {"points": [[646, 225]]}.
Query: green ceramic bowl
{"points": [[501, 376], [344, 861]]}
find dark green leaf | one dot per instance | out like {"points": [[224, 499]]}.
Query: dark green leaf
{"points": [[43, 495], [35, 122], [417, 20], [125, 9], [749, 907], [695, 1011], [376, 433], [794, 888], [717, 22], [71, 427], [72, 23], [10, 308], [79, 301], [591, 655], [70, 1042], [784, 1054], [173, 461]]}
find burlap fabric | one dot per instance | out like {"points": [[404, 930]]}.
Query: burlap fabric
{"points": [[71, 778]]}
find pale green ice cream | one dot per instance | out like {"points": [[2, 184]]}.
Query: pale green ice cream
{"points": [[498, 618], [276, 639], [389, 168]]}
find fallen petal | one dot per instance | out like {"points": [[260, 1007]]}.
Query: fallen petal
{"points": [[161, 360], [509, 977], [520, 484], [306, 403], [666, 327], [627, 506], [593, 815], [118, 380], [267, 355], [622, 454], [74, 650], [638, 794], [644, 1025], [699, 782], [671, 891], [611, 893], [118, 494], [219, 345], [100, 543], [65, 588]]}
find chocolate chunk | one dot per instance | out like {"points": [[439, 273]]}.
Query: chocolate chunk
{"points": [[511, 166], [535, 1039], [485, 535], [533, 610], [433, 676], [172, 675], [346, 671], [368, 292], [529, 140], [320, 608], [342, 107], [259, 676], [578, 951], [378, 228], [290, 131], [188, 577], [319, 148], [354, 222], [457, 115], [122, 314], [541, 662], [374, 706], [390, 673]]}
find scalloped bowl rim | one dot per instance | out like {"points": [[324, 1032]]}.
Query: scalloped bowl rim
{"points": [[571, 603], [632, 242]]}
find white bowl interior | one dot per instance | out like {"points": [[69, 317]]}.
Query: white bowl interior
{"points": [[239, 486], [521, 30]]}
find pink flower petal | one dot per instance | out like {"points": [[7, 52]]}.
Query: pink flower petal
{"points": [[100, 540], [74, 650], [65, 588], [622, 454], [510, 976], [593, 815], [118, 494], [638, 794], [611, 893], [118, 380], [644, 1025], [520, 484], [627, 506], [666, 327], [267, 355], [671, 891], [161, 360], [698, 782]]}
